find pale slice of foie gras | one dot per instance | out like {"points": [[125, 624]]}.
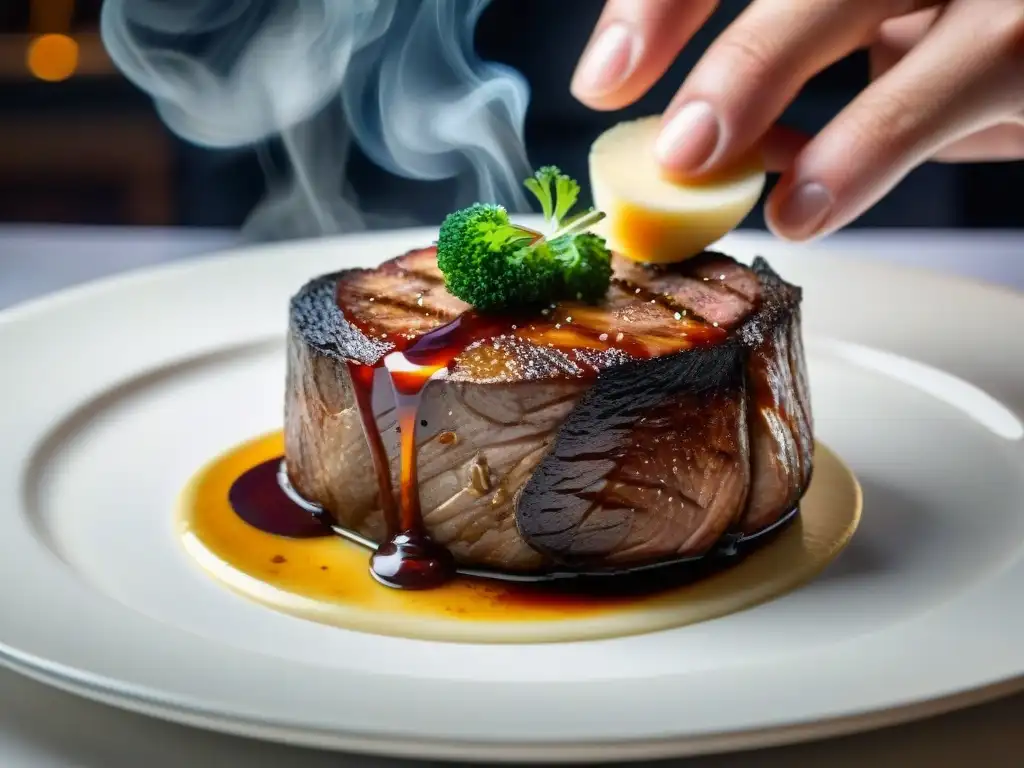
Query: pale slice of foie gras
{"points": [[656, 219]]}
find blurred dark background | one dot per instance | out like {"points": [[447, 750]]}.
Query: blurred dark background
{"points": [[79, 144]]}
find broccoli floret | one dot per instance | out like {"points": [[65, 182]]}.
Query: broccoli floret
{"points": [[491, 263], [586, 266], [485, 261]]}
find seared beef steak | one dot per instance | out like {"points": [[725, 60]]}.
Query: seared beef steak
{"points": [[634, 432]]}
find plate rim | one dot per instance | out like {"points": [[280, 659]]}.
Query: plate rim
{"points": [[151, 704]]}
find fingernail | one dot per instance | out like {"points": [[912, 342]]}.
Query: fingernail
{"points": [[607, 62], [690, 138], [801, 213]]}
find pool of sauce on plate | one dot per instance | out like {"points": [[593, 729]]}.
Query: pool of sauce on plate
{"points": [[408, 558], [247, 518]]}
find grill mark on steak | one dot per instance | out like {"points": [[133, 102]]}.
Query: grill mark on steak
{"points": [[723, 287], [397, 303], [699, 295], [666, 301], [721, 271], [392, 300], [422, 261]]}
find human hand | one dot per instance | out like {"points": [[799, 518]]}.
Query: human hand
{"points": [[947, 84]]}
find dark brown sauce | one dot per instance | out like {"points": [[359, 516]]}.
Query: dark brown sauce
{"points": [[410, 559], [362, 386], [257, 498]]}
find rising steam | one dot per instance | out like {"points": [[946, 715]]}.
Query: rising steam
{"points": [[398, 77]]}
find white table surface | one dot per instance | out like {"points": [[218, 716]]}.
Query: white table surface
{"points": [[44, 727]]}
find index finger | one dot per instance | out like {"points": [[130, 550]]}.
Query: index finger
{"points": [[633, 44]]}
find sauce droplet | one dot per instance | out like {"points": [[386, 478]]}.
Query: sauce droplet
{"points": [[412, 561]]}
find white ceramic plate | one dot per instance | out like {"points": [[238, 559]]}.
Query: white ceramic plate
{"points": [[112, 395]]}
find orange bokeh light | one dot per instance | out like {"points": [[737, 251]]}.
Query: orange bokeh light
{"points": [[52, 57]]}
